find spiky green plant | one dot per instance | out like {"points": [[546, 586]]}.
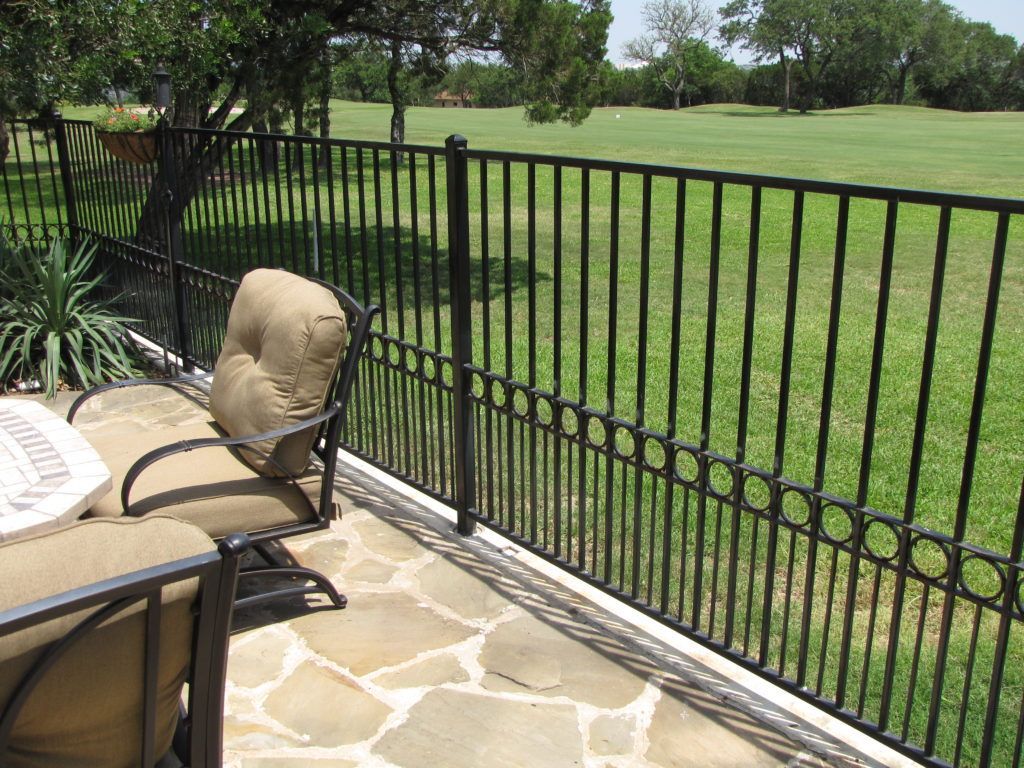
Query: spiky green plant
{"points": [[52, 325]]}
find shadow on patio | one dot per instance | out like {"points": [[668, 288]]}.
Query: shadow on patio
{"points": [[452, 652]]}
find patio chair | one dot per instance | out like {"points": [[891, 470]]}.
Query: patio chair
{"points": [[277, 401], [101, 625]]}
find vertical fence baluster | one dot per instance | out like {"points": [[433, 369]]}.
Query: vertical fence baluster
{"points": [[609, 401], [462, 329], [429, 435], [66, 175], [678, 245]]}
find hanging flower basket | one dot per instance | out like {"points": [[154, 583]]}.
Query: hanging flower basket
{"points": [[139, 147]]}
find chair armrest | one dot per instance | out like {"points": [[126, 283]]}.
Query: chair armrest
{"points": [[184, 446], [172, 383]]}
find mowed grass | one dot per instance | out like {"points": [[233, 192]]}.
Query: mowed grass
{"points": [[883, 145], [906, 147], [917, 148], [901, 147]]}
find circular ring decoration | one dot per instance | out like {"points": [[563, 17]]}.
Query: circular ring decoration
{"points": [[795, 507], [653, 453], [477, 386], [877, 534], [520, 402], [757, 492], [836, 523], [596, 433], [925, 553], [624, 444], [720, 479], [1018, 599], [543, 411], [410, 360], [497, 394], [569, 421], [377, 348], [445, 371], [981, 579], [427, 368], [686, 465], [394, 353]]}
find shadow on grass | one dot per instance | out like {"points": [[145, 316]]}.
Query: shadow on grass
{"points": [[376, 265]]}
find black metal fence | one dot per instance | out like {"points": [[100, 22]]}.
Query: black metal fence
{"points": [[782, 416]]}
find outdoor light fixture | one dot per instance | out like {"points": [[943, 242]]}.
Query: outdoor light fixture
{"points": [[162, 78]]}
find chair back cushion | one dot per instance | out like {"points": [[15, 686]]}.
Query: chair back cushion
{"points": [[284, 342], [87, 709]]}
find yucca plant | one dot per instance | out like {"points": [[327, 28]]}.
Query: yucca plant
{"points": [[52, 325]]}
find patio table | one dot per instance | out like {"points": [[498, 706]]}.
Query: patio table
{"points": [[49, 474]]}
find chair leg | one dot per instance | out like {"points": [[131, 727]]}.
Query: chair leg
{"points": [[320, 584]]}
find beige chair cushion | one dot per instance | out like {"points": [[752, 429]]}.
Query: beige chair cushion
{"points": [[86, 711], [210, 487], [284, 341]]}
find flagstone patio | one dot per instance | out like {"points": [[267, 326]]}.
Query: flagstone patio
{"points": [[458, 652]]}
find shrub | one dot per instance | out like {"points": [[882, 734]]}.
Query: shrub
{"points": [[52, 327]]}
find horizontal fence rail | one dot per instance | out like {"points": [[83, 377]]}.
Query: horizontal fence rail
{"points": [[781, 416]]}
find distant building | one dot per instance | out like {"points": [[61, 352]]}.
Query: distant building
{"points": [[451, 100]]}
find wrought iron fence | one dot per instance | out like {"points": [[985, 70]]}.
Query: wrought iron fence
{"points": [[782, 416]]}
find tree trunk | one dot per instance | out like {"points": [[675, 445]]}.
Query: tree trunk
{"points": [[787, 68], [901, 86], [397, 124], [676, 102], [299, 122], [324, 112], [5, 142], [398, 105], [195, 159]]}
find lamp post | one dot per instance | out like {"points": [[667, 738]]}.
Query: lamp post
{"points": [[172, 224], [162, 82]]}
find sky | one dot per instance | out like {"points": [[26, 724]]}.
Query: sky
{"points": [[1007, 16]]}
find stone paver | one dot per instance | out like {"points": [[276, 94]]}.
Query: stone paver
{"points": [[477, 664], [452, 653], [463, 730]]}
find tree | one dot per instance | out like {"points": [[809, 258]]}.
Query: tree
{"points": [[246, 54], [909, 33], [971, 77], [57, 50], [361, 73], [765, 35], [675, 29], [410, 69], [1013, 82], [807, 31]]}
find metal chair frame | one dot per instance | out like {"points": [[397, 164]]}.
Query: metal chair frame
{"points": [[198, 742], [325, 446]]}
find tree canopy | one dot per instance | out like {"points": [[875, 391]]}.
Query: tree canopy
{"points": [[861, 51], [675, 30], [223, 51]]}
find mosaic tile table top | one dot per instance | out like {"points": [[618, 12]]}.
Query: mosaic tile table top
{"points": [[49, 474]]}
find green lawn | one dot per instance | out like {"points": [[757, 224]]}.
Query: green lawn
{"points": [[901, 147], [913, 147], [893, 146]]}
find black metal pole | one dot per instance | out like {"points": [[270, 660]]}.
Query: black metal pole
{"points": [[462, 330], [172, 226], [66, 177]]}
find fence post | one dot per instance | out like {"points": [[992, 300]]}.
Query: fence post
{"points": [[66, 178], [173, 246], [462, 329]]}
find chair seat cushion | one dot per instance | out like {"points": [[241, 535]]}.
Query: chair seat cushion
{"points": [[85, 710], [210, 487], [284, 342]]}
